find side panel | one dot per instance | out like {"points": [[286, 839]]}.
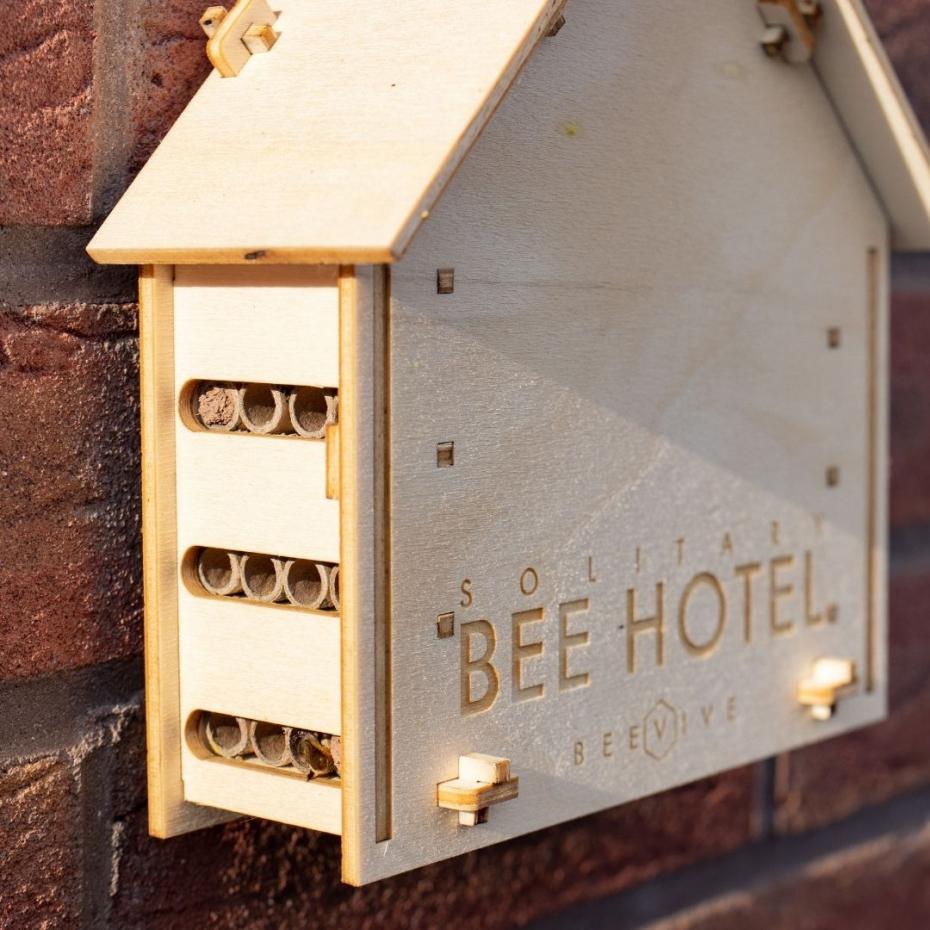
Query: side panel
{"points": [[169, 814], [662, 367]]}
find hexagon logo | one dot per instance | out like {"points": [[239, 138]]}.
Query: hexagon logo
{"points": [[660, 730]]}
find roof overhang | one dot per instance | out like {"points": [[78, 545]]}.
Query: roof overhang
{"points": [[333, 147]]}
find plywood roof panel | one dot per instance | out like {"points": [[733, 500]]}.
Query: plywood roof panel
{"points": [[332, 145]]}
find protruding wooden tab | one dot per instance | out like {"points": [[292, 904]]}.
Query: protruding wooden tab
{"points": [[259, 37], [789, 32], [236, 35], [332, 461], [821, 690], [483, 780]]}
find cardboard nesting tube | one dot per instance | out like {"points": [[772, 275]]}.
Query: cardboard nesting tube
{"points": [[262, 577], [310, 409], [216, 406], [306, 583], [219, 572], [334, 586], [271, 743], [224, 735], [309, 754], [263, 409]]}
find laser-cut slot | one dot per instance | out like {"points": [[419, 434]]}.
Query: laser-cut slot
{"points": [[273, 580], [301, 411], [272, 746]]}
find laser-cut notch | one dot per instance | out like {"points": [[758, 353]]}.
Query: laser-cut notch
{"points": [[445, 454], [445, 625], [445, 281]]}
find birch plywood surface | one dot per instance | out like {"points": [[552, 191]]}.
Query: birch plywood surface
{"points": [[667, 489], [333, 143]]}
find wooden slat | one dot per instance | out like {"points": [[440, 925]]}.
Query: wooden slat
{"points": [[169, 813], [269, 324], [263, 494], [260, 661], [260, 792]]}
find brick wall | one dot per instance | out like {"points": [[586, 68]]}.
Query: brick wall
{"points": [[834, 836]]}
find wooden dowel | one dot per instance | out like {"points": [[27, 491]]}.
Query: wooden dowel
{"points": [[215, 405], [309, 754], [271, 743], [219, 572], [310, 409], [306, 584], [263, 409], [224, 735], [262, 577]]}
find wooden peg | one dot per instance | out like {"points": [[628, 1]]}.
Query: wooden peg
{"points": [[789, 32], [821, 690], [236, 35], [483, 780], [211, 19]]}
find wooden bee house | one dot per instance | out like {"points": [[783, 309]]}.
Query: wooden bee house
{"points": [[514, 407]]}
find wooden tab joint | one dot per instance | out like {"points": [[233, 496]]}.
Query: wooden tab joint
{"points": [[789, 28], [233, 36], [483, 780], [830, 678]]}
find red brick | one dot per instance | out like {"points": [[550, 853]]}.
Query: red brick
{"points": [[46, 119], [910, 409], [828, 781], [876, 886], [265, 876], [172, 65], [40, 882], [904, 26], [69, 576]]}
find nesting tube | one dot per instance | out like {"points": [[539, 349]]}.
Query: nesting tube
{"points": [[271, 743], [334, 598], [335, 750], [306, 584], [262, 577], [309, 755], [219, 572], [215, 405], [224, 735], [310, 409], [263, 409]]}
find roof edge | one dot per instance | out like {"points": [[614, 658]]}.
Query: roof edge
{"points": [[864, 90]]}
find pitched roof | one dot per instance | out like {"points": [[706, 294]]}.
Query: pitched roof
{"points": [[333, 146]]}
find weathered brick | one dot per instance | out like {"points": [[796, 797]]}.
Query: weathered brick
{"points": [[265, 876], [910, 408], [69, 500], [172, 65], [830, 780], [875, 886], [46, 118], [40, 881], [904, 26]]}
